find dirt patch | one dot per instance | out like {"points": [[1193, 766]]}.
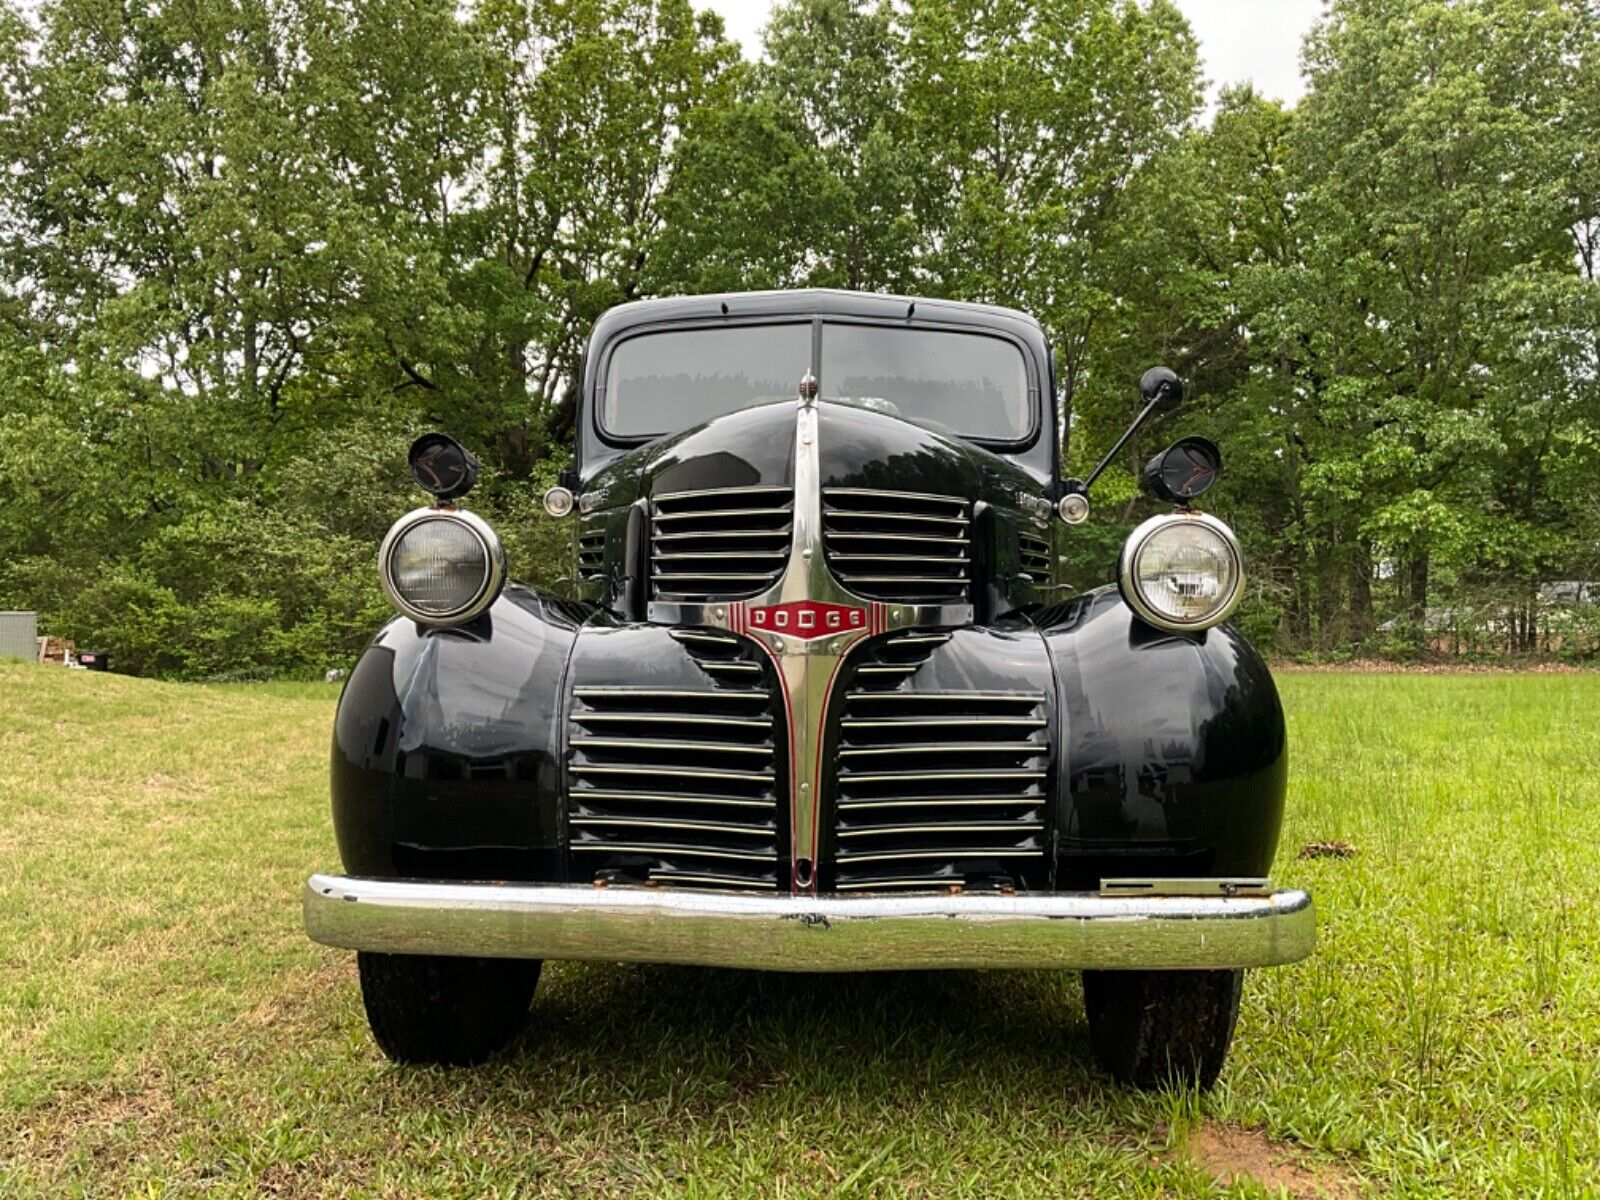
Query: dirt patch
{"points": [[93, 1123], [1333, 848], [1228, 1153]]}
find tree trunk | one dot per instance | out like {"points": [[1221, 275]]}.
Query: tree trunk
{"points": [[1362, 620], [1417, 597]]}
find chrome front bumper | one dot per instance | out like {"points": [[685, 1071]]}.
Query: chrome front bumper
{"points": [[810, 933]]}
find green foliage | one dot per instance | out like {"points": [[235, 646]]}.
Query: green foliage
{"points": [[247, 251]]}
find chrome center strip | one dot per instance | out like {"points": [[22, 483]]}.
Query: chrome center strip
{"points": [[808, 623]]}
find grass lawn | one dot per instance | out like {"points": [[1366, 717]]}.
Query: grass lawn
{"points": [[166, 1029]]}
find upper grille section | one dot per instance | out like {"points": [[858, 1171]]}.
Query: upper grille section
{"points": [[898, 546], [937, 789], [680, 786], [719, 544], [1035, 552], [591, 549]]}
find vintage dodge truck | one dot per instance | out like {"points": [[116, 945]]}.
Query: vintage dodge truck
{"points": [[814, 698]]}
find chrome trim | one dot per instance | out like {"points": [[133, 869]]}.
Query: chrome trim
{"points": [[733, 827], [672, 850], [952, 827], [887, 495], [980, 697], [851, 578], [723, 533], [1251, 885], [919, 722], [736, 881], [1147, 612], [697, 556], [587, 718], [943, 540], [703, 513], [921, 776], [773, 489], [699, 635], [719, 577], [942, 747], [584, 794], [610, 693], [611, 743], [674, 772], [845, 806], [854, 514], [1077, 930], [494, 575], [941, 852]]}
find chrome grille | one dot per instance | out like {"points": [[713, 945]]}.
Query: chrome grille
{"points": [[719, 544], [591, 549], [938, 789], [898, 546], [1035, 552], [679, 786]]}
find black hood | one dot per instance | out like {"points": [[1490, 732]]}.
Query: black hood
{"points": [[857, 448]]}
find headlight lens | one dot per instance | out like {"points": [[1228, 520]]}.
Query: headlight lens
{"points": [[1182, 572], [441, 567]]}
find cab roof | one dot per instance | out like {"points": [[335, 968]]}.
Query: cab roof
{"points": [[815, 302]]}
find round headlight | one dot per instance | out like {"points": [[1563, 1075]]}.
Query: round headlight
{"points": [[441, 566], [558, 501], [1074, 508], [1182, 572]]}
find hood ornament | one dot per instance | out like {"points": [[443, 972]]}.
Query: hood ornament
{"points": [[808, 390]]}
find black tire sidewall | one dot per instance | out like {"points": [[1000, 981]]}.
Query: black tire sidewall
{"points": [[445, 1010]]}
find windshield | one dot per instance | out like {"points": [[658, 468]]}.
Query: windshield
{"points": [[970, 383], [663, 382], [975, 385]]}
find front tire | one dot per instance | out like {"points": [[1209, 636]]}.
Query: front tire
{"points": [[455, 1012], [1153, 1029]]}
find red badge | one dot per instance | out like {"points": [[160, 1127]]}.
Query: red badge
{"points": [[806, 618]]}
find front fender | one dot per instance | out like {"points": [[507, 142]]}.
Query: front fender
{"points": [[1172, 758], [447, 744]]}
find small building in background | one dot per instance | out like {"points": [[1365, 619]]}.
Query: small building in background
{"points": [[19, 635]]}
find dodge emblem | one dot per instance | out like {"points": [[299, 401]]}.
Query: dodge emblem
{"points": [[806, 618]]}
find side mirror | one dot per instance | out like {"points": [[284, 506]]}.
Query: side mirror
{"points": [[442, 466], [1162, 389], [1183, 471]]}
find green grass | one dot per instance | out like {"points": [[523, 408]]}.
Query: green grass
{"points": [[166, 1029]]}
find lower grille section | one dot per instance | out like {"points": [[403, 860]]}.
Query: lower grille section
{"points": [[939, 789], [679, 786]]}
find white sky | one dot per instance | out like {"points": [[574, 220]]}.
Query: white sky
{"points": [[1257, 40]]}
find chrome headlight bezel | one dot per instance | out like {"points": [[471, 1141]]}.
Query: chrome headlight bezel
{"points": [[1128, 580], [494, 557]]}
